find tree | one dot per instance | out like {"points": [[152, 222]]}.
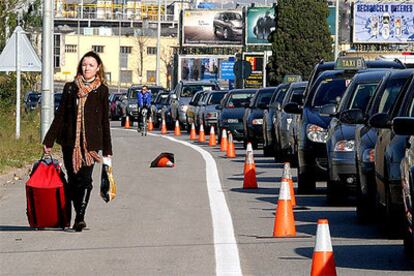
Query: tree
{"points": [[301, 38]]}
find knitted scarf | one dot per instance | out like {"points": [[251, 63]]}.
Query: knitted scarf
{"points": [[89, 156]]}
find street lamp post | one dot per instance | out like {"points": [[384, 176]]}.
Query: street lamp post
{"points": [[157, 71]]}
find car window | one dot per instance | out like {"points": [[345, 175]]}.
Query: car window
{"points": [[233, 16], [161, 99], [238, 99], [391, 91], [264, 97], [215, 98], [295, 95], [281, 95], [328, 90], [362, 95], [189, 90], [33, 97], [411, 112]]}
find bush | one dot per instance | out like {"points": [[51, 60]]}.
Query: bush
{"points": [[17, 153]]}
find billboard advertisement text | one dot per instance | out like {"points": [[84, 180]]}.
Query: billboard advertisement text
{"points": [[212, 28], [383, 22]]}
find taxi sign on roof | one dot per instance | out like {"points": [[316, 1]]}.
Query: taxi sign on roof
{"points": [[350, 63], [292, 78]]}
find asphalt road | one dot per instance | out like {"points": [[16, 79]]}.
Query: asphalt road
{"points": [[161, 222]]}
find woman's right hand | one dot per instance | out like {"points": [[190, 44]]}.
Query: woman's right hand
{"points": [[47, 150]]}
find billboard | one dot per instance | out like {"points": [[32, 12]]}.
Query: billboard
{"points": [[256, 60], [212, 28], [389, 22], [260, 21]]}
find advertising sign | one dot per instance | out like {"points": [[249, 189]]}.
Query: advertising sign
{"points": [[212, 67], [389, 22], [260, 21], [255, 79], [212, 28]]}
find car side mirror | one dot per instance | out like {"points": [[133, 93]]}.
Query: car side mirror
{"points": [[328, 110], [173, 96], [403, 125], [293, 108], [352, 116], [379, 120]]}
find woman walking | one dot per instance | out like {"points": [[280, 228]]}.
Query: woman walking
{"points": [[81, 127]]}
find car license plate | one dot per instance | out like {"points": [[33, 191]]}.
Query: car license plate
{"points": [[232, 120]]}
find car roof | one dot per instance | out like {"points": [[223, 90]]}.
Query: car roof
{"points": [[243, 91], [371, 75], [185, 82], [298, 84]]}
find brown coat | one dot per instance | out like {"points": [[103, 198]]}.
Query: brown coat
{"points": [[63, 128]]}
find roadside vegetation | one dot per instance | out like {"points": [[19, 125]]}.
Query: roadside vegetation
{"points": [[17, 153]]}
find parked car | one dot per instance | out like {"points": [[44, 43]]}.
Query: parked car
{"points": [[405, 126], [389, 152], [312, 127], [285, 145], [31, 101], [269, 117], [366, 137], [191, 109], [208, 114], [156, 107], [57, 99], [115, 107], [253, 116], [132, 106], [341, 134], [232, 111], [182, 94], [229, 25]]}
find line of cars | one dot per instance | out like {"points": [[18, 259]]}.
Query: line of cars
{"points": [[353, 131], [32, 100]]}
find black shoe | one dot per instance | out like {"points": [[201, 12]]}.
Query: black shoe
{"points": [[79, 225]]}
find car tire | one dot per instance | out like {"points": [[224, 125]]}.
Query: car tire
{"points": [[267, 151], [364, 204], [123, 121], [306, 183], [408, 242]]}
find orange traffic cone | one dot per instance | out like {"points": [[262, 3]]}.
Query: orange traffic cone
{"points": [[249, 181], [284, 220], [193, 135], [223, 141], [150, 124], [201, 135], [177, 130], [163, 127], [165, 162], [127, 123], [323, 262], [231, 152], [212, 139], [287, 176]]}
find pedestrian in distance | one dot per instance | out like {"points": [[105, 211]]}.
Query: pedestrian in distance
{"points": [[81, 126]]}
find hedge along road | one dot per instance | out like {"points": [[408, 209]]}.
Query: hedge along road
{"points": [[161, 222]]}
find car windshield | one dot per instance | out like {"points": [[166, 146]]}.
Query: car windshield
{"points": [[281, 95], [33, 97], [237, 100], [190, 90], [328, 90], [264, 97], [215, 98], [296, 95], [411, 112], [391, 92], [161, 99], [362, 94], [233, 16]]}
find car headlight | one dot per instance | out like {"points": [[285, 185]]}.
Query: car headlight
{"points": [[316, 134], [184, 108], [257, 122], [344, 146], [368, 156], [133, 105]]}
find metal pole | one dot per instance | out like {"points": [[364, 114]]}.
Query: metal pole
{"points": [[119, 56], [337, 29], [52, 63], [47, 68], [158, 44], [18, 84]]}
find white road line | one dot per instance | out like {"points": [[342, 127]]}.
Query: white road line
{"points": [[225, 245]]}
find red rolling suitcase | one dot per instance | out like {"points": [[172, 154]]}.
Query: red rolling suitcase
{"points": [[46, 190]]}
